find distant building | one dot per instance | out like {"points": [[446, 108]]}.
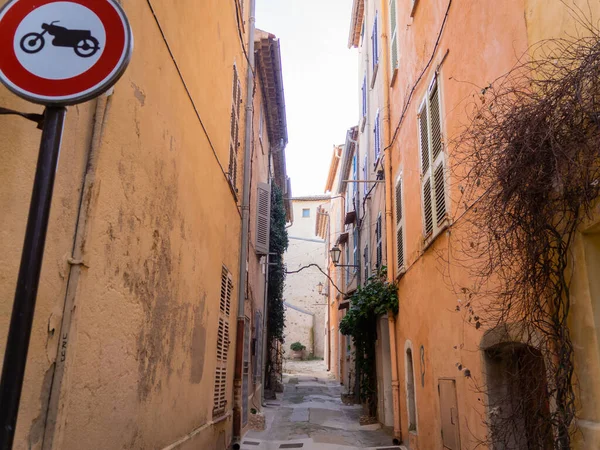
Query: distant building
{"points": [[306, 308]]}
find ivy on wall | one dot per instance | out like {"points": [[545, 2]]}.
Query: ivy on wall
{"points": [[278, 244], [376, 298]]}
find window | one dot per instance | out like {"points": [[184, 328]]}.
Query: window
{"points": [[261, 119], [263, 218], [365, 177], [355, 249], [354, 177], [394, 38], [375, 48], [379, 240], [246, 371], [235, 128], [258, 346], [306, 212], [347, 263], [410, 392], [399, 227], [364, 97], [377, 136], [432, 162], [220, 385]]}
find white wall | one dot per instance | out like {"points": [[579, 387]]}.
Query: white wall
{"points": [[301, 289]]}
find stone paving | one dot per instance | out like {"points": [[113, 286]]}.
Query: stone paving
{"points": [[310, 415]]}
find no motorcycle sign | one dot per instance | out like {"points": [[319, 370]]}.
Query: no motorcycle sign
{"points": [[63, 52]]}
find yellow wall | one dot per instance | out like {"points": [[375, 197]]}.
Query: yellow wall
{"points": [[162, 220]]}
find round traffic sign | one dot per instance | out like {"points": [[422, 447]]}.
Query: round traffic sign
{"points": [[62, 52]]}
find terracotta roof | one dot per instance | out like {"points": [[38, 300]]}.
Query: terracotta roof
{"points": [[333, 165], [349, 148], [358, 10], [321, 222], [310, 198]]}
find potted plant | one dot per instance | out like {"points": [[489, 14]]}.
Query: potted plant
{"points": [[297, 350]]}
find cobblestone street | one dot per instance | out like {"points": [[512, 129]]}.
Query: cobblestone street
{"points": [[310, 415]]}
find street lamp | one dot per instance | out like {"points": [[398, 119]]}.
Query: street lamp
{"points": [[335, 253], [320, 287]]}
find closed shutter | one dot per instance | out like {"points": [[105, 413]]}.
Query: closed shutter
{"points": [[437, 155], [222, 354], [394, 39], [234, 141], [399, 227], [263, 218], [364, 96], [375, 45], [425, 169], [366, 262]]}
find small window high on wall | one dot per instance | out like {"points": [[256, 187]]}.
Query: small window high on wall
{"points": [[306, 212]]}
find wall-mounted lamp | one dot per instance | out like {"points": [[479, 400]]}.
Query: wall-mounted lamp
{"points": [[320, 287], [335, 254]]}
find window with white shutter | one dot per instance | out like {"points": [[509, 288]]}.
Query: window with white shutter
{"points": [[433, 180], [234, 141], [263, 218], [394, 39], [399, 228], [379, 241], [220, 383]]}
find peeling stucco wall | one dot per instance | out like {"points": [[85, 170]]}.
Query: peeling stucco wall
{"points": [[137, 354]]}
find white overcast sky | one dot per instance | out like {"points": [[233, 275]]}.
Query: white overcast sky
{"points": [[319, 78]]}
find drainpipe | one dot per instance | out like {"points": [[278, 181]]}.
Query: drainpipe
{"points": [[387, 164], [243, 276]]}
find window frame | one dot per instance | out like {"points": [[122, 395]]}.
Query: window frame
{"points": [[305, 210], [375, 48]]}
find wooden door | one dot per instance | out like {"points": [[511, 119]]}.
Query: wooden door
{"points": [[449, 413]]}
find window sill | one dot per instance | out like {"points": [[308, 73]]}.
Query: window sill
{"points": [[430, 239]]}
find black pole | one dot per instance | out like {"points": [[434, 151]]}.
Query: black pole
{"points": [[17, 344]]}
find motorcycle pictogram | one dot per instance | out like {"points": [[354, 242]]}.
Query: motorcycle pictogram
{"points": [[82, 41]]}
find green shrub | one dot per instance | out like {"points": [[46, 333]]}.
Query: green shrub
{"points": [[297, 347]]}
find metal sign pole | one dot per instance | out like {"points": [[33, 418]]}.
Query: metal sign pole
{"points": [[17, 344]]}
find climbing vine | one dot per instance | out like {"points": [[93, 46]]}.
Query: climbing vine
{"points": [[278, 244], [376, 298], [528, 166]]}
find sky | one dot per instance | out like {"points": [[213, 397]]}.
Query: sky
{"points": [[320, 82]]}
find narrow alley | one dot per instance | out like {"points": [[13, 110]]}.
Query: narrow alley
{"points": [[310, 415]]}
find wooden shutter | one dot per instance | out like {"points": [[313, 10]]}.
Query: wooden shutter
{"points": [[394, 39], [437, 155], [375, 45], [364, 96], [399, 227], [263, 218], [235, 128], [222, 354], [432, 161], [426, 188], [365, 177]]}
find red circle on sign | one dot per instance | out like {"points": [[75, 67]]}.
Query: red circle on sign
{"points": [[112, 57]]}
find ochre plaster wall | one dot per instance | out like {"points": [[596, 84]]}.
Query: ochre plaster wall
{"points": [[482, 41], [162, 220]]}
